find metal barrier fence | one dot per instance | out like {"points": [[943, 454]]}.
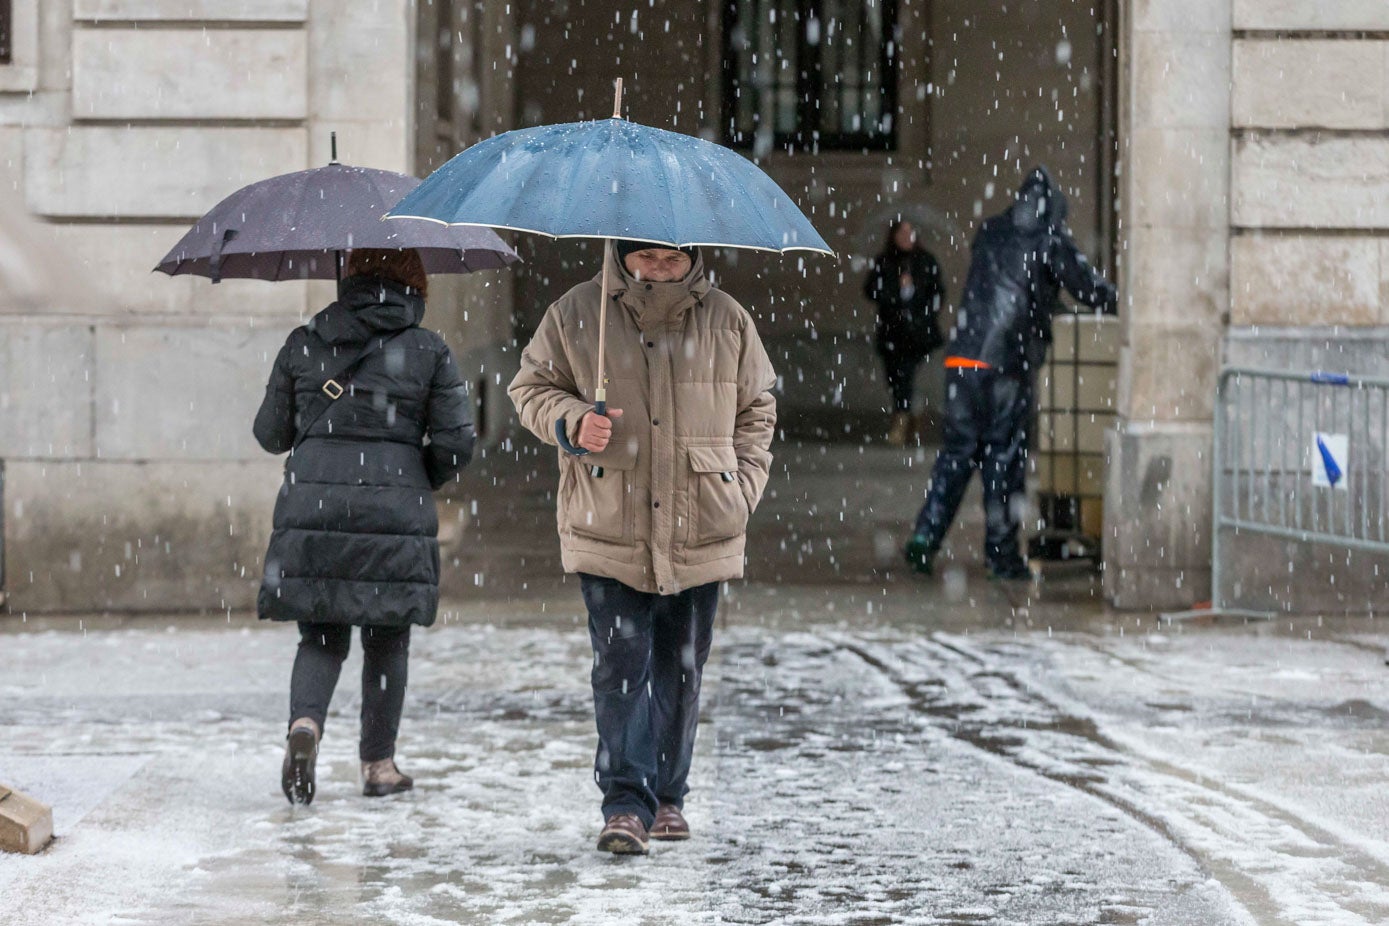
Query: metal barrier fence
{"points": [[1299, 456]]}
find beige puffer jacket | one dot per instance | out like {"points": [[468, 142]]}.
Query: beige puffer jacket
{"points": [[689, 457]]}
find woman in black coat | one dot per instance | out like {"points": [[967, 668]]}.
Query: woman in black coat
{"points": [[905, 282], [376, 416]]}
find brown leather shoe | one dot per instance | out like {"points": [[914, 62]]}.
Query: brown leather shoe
{"points": [[670, 824], [382, 778], [623, 834]]}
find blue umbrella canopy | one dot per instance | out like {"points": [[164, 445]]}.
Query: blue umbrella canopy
{"points": [[612, 178]]}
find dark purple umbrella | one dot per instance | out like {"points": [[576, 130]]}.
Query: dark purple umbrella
{"points": [[296, 227]]}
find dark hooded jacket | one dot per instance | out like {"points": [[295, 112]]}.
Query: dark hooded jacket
{"points": [[355, 523], [1020, 260]]}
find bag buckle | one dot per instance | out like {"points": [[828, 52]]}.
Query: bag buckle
{"points": [[333, 389]]}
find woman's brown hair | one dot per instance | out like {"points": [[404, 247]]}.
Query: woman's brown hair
{"points": [[404, 266], [890, 242]]}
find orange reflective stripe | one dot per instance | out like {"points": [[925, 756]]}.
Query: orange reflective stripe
{"points": [[965, 363]]}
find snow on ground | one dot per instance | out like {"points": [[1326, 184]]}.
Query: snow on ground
{"points": [[852, 768]]}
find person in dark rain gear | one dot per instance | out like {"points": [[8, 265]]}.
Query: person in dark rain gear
{"points": [[375, 415], [654, 518], [905, 282], [1020, 260]]}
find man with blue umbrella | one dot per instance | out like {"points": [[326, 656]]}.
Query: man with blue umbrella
{"points": [[655, 491], [653, 517]]}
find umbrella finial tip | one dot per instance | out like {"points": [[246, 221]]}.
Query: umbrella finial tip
{"points": [[333, 143], [617, 99]]}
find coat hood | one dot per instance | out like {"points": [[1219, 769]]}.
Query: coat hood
{"points": [[365, 306], [1039, 202], [657, 304]]}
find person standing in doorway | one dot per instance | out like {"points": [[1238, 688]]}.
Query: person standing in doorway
{"points": [[905, 282], [1020, 260], [375, 416], [654, 517]]}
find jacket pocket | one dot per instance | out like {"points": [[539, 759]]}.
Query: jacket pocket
{"points": [[597, 495], [718, 510]]}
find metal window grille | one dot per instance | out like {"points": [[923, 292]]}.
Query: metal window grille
{"points": [[6, 31], [444, 88], [810, 74]]}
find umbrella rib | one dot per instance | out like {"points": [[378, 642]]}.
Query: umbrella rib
{"points": [[564, 220], [656, 142]]}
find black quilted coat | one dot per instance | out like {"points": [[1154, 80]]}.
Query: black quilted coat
{"points": [[355, 523]]}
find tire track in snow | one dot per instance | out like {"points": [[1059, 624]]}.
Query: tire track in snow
{"points": [[1280, 868]]}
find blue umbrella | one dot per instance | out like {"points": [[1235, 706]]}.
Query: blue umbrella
{"points": [[612, 178]]}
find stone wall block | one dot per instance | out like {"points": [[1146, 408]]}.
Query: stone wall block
{"points": [[1168, 373], [1285, 83], [87, 536], [38, 48], [1177, 274], [1313, 15], [364, 144], [1181, 16], [181, 393], [191, 10], [1304, 349], [151, 172], [119, 261], [1178, 178], [1310, 182], [1384, 281], [45, 390], [1186, 78], [342, 37], [1306, 280], [205, 74], [1157, 517]]}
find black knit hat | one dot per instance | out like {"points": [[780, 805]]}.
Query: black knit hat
{"points": [[625, 246]]}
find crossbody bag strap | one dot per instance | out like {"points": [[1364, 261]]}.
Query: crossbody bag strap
{"points": [[335, 386]]}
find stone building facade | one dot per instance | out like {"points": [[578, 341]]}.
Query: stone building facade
{"points": [[1254, 223], [1225, 160], [131, 479]]}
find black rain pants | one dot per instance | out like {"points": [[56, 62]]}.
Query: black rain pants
{"points": [[987, 417]]}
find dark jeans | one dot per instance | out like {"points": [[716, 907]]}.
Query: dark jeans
{"points": [[648, 656], [899, 367], [987, 416], [385, 654]]}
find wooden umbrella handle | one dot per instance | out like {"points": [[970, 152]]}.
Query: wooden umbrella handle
{"points": [[600, 392]]}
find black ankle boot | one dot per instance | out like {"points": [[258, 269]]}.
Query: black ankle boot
{"points": [[301, 753]]}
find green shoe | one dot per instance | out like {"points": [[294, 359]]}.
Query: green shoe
{"points": [[919, 554]]}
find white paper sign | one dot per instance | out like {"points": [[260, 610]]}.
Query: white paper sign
{"points": [[1330, 460]]}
